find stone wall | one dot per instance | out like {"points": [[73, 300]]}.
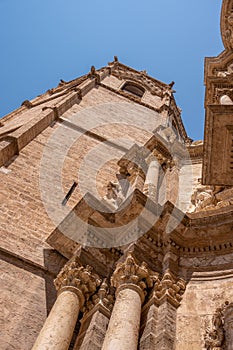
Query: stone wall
{"points": [[200, 301]]}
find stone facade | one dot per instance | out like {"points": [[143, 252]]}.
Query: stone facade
{"points": [[117, 228]]}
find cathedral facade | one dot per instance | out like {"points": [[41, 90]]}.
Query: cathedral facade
{"points": [[116, 227]]}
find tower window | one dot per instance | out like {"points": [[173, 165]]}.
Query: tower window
{"points": [[133, 89]]}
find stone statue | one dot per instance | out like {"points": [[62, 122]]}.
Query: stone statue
{"points": [[114, 196]]}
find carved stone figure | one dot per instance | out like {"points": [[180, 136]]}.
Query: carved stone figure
{"points": [[114, 196], [214, 336], [227, 72], [210, 197]]}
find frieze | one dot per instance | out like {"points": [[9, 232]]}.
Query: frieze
{"points": [[206, 261]]}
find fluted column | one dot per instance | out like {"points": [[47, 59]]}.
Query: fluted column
{"points": [[130, 281], [74, 284], [228, 326]]}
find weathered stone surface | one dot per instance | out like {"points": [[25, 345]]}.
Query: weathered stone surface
{"points": [[79, 131]]}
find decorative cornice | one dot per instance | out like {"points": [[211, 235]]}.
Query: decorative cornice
{"points": [[227, 24], [155, 86], [80, 279]]}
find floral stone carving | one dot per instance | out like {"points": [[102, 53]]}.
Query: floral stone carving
{"points": [[81, 278]]}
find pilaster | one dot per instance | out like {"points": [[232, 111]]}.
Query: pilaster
{"points": [[158, 328]]}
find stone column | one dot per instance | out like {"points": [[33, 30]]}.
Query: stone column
{"points": [[228, 326], [152, 177], [130, 281], [74, 284]]}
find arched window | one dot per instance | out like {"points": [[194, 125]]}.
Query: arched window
{"points": [[133, 89]]}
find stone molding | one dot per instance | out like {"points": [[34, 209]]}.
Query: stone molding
{"points": [[155, 87], [79, 279], [129, 274]]}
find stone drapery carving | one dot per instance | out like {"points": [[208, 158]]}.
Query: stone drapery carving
{"points": [[168, 287], [130, 273], [79, 277]]}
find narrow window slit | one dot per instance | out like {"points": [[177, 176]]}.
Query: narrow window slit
{"points": [[69, 193]]}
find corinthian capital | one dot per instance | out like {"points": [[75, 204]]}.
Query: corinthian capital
{"points": [[78, 278], [129, 274], [169, 288]]}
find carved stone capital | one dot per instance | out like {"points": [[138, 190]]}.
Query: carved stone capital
{"points": [[79, 279], [169, 288], [104, 296], [130, 274]]}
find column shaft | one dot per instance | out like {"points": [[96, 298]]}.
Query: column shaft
{"points": [[58, 328], [123, 329], [151, 182]]}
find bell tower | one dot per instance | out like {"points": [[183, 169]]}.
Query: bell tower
{"points": [[218, 139]]}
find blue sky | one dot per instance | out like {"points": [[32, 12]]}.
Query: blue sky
{"points": [[44, 41]]}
